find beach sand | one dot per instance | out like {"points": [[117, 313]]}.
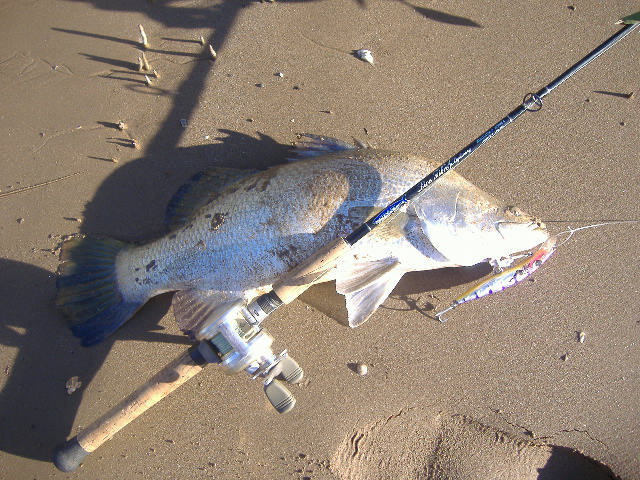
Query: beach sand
{"points": [[504, 389]]}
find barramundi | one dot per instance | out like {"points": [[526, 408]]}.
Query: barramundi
{"points": [[232, 233]]}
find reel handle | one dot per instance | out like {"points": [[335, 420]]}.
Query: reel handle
{"points": [[70, 455], [278, 395]]}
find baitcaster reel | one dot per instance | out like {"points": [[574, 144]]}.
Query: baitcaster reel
{"points": [[233, 338]]}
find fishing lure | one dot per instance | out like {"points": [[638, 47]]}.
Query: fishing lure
{"points": [[506, 278], [515, 274]]}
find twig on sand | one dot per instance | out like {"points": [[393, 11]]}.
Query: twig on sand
{"points": [[143, 37], [37, 185]]}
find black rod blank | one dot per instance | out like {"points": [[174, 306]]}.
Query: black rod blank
{"points": [[532, 102]]}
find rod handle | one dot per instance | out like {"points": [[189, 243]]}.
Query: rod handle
{"points": [[301, 277], [70, 455]]}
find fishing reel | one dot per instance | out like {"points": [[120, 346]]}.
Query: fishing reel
{"points": [[232, 337]]}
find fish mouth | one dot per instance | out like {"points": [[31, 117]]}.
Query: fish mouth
{"points": [[508, 229]]}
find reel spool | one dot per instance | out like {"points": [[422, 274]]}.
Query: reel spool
{"points": [[233, 338]]}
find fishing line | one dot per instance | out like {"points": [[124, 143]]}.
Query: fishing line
{"points": [[571, 231]]}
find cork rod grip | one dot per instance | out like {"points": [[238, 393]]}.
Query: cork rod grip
{"points": [[69, 456], [310, 271]]}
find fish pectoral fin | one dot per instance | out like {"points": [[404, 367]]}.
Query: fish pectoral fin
{"points": [[366, 285], [392, 228], [192, 308], [317, 145], [200, 190]]}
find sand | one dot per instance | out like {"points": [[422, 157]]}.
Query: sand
{"points": [[504, 389]]}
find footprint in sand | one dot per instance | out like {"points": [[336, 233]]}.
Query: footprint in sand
{"points": [[411, 445]]}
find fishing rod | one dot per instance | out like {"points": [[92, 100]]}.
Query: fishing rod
{"points": [[233, 337], [309, 272]]}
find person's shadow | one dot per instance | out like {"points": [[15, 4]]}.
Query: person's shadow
{"points": [[33, 334], [40, 355]]}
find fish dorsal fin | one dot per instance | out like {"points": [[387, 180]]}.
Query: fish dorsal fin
{"points": [[192, 308], [201, 189], [366, 285], [317, 145]]}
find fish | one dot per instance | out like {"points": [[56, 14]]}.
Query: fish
{"points": [[232, 233]]}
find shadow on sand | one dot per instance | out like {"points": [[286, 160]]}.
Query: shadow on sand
{"points": [[129, 205]]}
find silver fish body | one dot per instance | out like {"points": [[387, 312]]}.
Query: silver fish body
{"points": [[255, 229]]}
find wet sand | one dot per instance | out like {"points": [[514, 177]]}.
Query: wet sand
{"points": [[503, 389]]}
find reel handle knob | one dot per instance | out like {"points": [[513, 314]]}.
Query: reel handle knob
{"points": [[290, 372], [279, 396]]}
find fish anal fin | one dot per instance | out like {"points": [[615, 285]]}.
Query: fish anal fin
{"points": [[363, 302], [354, 275], [192, 308], [201, 189]]}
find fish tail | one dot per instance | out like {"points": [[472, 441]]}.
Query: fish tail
{"points": [[88, 291]]}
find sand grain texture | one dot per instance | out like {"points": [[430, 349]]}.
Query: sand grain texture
{"points": [[444, 72]]}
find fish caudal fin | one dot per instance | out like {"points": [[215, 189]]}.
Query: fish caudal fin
{"points": [[88, 292]]}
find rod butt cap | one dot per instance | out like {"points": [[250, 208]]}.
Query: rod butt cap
{"points": [[69, 456]]}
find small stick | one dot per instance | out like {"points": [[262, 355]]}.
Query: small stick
{"points": [[37, 185], [143, 36], [145, 63], [147, 80]]}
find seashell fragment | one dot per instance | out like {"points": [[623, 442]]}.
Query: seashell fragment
{"points": [[364, 55], [73, 384]]}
